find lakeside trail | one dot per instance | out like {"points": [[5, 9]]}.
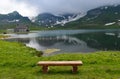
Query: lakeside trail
{"points": [[19, 62]]}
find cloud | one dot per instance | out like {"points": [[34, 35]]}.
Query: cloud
{"points": [[73, 6], [23, 8], [69, 6], [34, 7]]}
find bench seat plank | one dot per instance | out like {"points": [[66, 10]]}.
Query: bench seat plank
{"points": [[60, 63]]}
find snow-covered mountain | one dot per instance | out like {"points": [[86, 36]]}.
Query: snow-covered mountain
{"points": [[44, 19], [48, 19], [105, 16], [101, 17], [13, 17], [74, 17]]}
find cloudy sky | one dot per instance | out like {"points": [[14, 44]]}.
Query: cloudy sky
{"points": [[34, 7]]}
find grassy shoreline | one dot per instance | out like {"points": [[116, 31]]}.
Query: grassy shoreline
{"points": [[19, 62], [3, 36]]}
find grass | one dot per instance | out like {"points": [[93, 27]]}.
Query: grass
{"points": [[3, 36], [19, 62]]}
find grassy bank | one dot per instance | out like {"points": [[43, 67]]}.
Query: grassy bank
{"points": [[19, 62], [3, 36]]}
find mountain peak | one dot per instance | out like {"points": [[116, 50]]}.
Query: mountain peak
{"points": [[14, 13]]}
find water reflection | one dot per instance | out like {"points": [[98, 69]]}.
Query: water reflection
{"points": [[71, 41], [64, 43], [35, 44], [102, 40]]}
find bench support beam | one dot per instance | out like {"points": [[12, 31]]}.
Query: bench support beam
{"points": [[45, 69], [75, 68]]}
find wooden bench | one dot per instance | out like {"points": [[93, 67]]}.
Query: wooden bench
{"points": [[45, 64]]}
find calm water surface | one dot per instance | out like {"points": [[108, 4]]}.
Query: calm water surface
{"points": [[69, 41]]}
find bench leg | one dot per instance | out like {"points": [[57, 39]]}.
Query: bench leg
{"points": [[75, 69], [45, 69]]}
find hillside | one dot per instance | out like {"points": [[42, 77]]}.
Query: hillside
{"points": [[17, 64], [102, 17]]}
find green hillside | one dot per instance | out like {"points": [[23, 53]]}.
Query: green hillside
{"points": [[19, 62], [97, 18]]}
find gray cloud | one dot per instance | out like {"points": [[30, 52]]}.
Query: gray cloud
{"points": [[69, 6], [64, 6]]}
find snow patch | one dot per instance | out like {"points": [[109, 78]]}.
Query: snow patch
{"points": [[115, 5], [106, 7], [108, 24], [111, 34], [70, 19], [116, 13], [119, 35], [33, 19], [15, 20]]}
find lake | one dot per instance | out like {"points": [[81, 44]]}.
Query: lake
{"points": [[70, 41]]}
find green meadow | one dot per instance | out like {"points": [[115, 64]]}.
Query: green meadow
{"points": [[19, 62]]}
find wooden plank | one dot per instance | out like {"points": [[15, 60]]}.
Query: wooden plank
{"points": [[60, 63]]}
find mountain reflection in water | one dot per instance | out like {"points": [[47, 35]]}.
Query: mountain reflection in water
{"points": [[67, 42]]}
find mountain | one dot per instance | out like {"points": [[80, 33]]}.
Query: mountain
{"points": [[99, 17], [48, 19], [13, 17], [96, 18], [43, 19], [10, 20]]}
